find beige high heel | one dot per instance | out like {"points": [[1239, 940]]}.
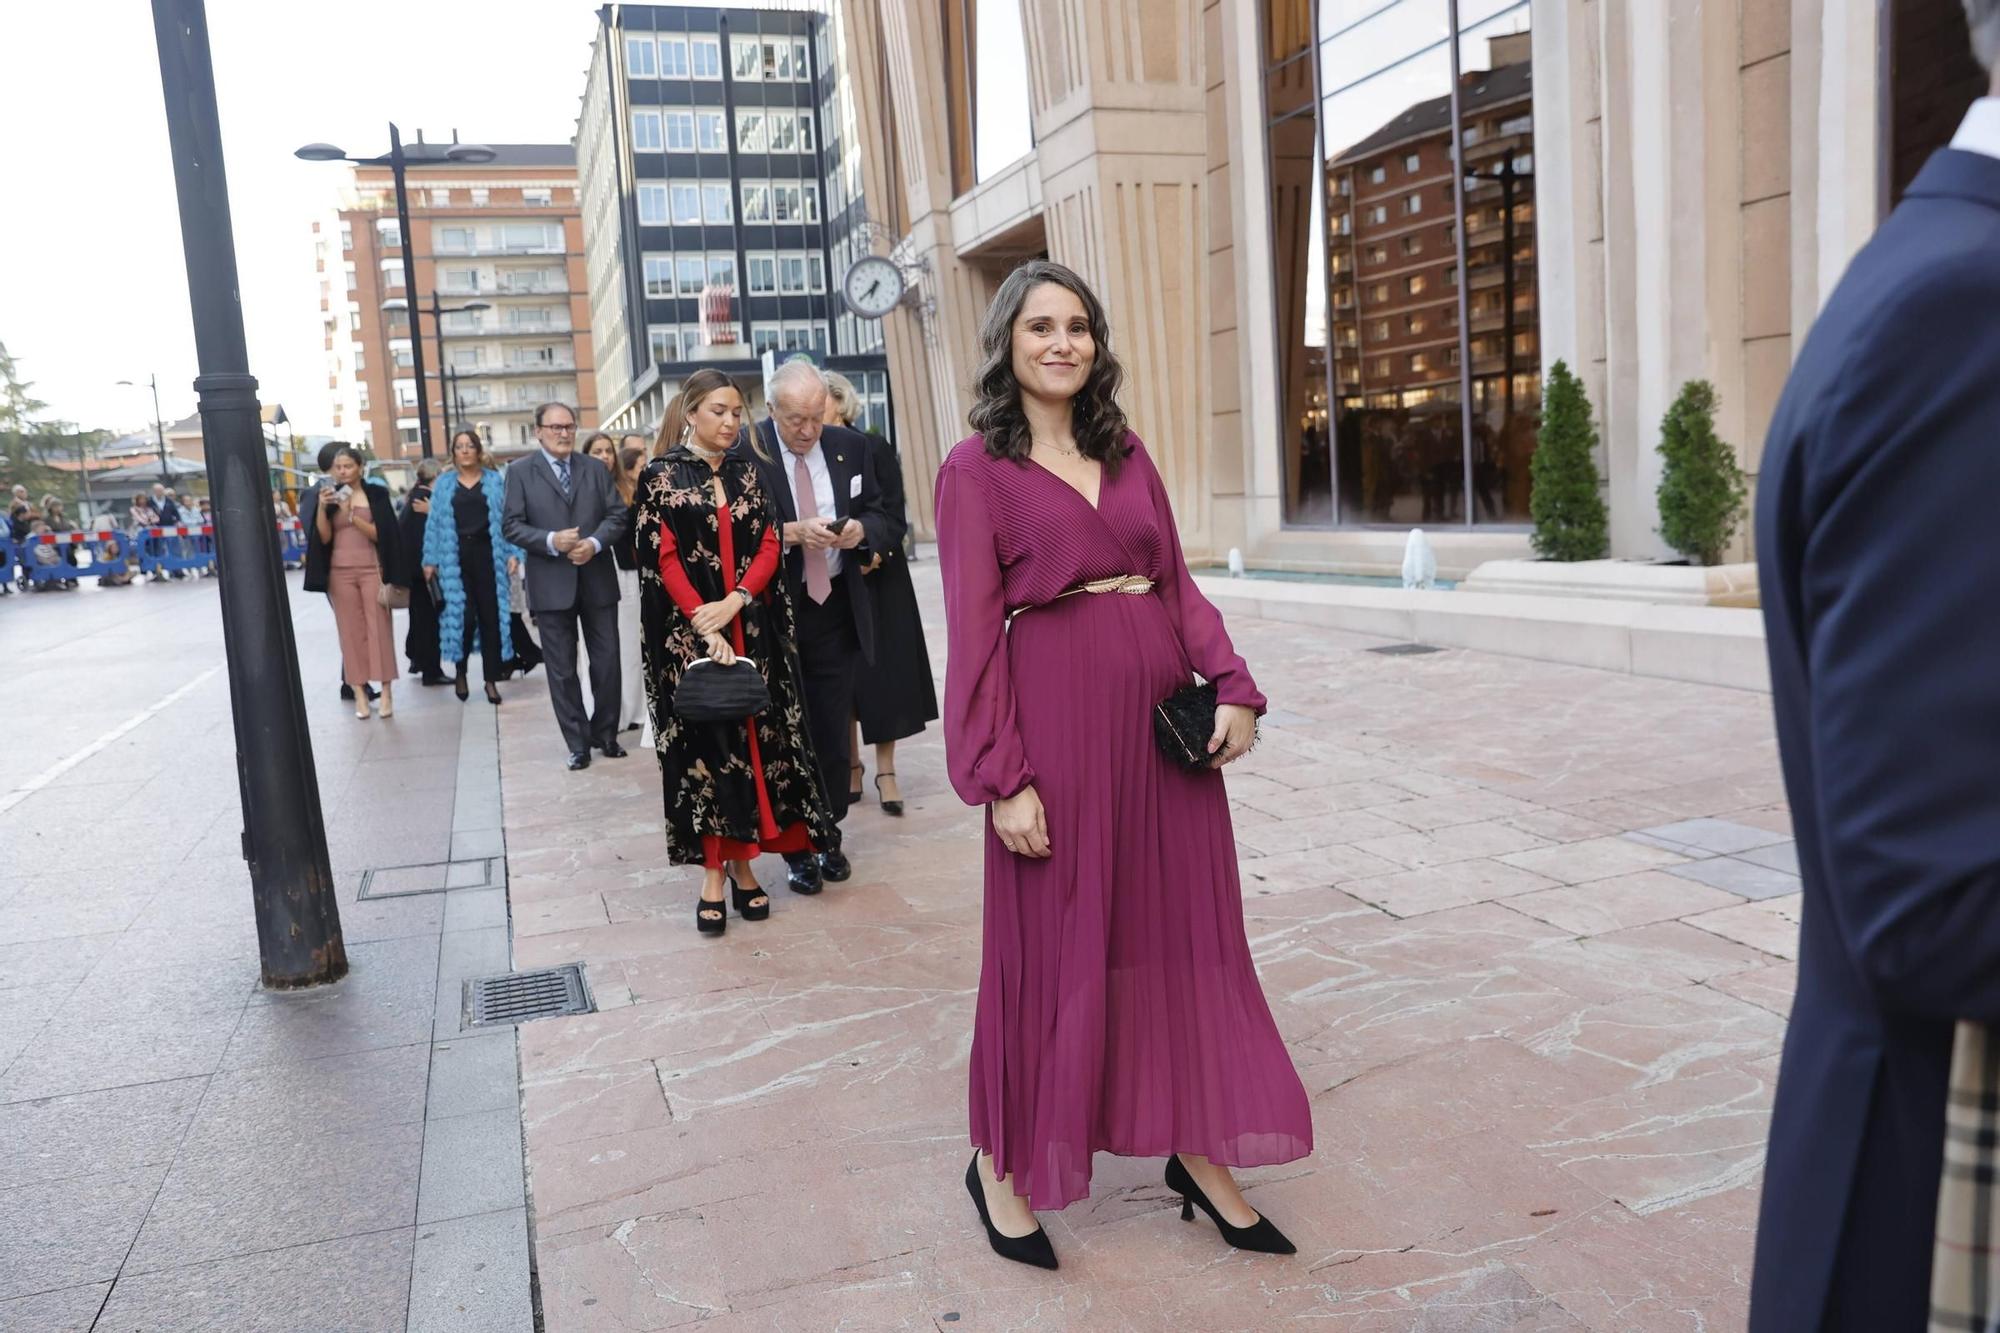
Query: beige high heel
{"points": [[387, 708]]}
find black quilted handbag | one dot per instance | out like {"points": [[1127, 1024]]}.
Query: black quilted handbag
{"points": [[710, 692]]}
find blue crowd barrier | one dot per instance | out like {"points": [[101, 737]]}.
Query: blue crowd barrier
{"points": [[166, 550], [7, 560], [106, 549], [291, 542]]}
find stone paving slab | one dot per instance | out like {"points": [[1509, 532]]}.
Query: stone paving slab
{"points": [[180, 1149], [1540, 1064]]}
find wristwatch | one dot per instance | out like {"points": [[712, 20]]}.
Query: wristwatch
{"points": [[744, 594]]}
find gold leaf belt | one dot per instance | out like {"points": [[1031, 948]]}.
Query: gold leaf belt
{"points": [[1135, 584]]}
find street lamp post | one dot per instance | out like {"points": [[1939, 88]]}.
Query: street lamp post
{"points": [[397, 160], [438, 312], [159, 426], [284, 832]]}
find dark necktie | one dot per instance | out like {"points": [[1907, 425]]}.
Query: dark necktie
{"points": [[562, 476]]}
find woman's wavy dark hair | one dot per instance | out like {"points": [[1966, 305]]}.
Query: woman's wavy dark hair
{"points": [[1095, 417]]}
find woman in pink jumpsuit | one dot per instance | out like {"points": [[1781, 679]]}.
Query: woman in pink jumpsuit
{"points": [[1119, 1010]]}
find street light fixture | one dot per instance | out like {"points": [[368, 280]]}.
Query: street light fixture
{"points": [[397, 159], [159, 427]]}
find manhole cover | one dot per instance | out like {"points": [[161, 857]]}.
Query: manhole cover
{"points": [[1405, 649], [431, 877], [518, 996]]}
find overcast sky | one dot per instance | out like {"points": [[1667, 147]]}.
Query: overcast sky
{"points": [[95, 290]]}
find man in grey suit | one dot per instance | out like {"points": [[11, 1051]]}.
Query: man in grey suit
{"points": [[564, 511]]}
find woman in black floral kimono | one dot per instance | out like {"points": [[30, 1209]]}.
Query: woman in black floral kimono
{"points": [[708, 554]]}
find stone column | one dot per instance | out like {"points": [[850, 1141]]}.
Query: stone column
{"points": [[1118, 90], [932, 368]]}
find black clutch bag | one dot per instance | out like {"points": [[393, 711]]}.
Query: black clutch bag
{"points": [[709, 692], [1183, 722], [436, 592]]}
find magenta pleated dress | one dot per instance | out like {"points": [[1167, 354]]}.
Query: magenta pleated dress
{"points": [[1118, 1010]]}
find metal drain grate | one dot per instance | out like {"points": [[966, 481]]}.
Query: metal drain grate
{"points": [[1405, 649], [516, 997]]}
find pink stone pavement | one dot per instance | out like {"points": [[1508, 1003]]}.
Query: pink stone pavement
{"points": [[1540, 1060]]}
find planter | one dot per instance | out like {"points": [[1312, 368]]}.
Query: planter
{"points": [[1656, 582]]}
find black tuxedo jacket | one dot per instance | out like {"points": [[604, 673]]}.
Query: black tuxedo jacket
{"points": [[855, 495]]}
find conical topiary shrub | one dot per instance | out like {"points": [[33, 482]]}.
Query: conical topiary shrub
{"points": [[1701, 487], [1570, 522]]}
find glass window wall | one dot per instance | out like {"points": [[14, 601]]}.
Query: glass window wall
{"points": [[1396, 411]]}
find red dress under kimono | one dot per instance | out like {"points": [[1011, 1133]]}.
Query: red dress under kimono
{"points": [[1119, 1010], [771, 838]]}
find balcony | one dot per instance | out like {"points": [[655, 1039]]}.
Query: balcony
{"points": [[490, 251]]}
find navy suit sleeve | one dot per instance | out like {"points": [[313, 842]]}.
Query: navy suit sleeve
{"points": [[1901, 609]]}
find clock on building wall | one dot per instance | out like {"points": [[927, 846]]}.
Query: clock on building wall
{"points": [[873, 286]]}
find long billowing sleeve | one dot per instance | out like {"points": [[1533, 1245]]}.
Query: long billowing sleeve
{"points": [[1203, 635], [436, 540], [982, 745]]}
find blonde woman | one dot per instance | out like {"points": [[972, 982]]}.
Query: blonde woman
{"points": [[707, 547]]}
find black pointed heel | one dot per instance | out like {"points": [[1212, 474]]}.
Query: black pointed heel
{"points": [[888, 807], [707, 924], [1261, 1236], [458, 684], [742, 897], [492, 693], [1033, 1248]]}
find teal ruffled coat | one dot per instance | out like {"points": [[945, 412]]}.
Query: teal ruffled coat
{"points": [[441, 550]]}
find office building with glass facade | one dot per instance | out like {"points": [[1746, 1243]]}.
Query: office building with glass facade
{"points": [[1341, 240], [710, 159]]}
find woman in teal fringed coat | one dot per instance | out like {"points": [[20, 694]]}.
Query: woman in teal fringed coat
{"points": [[470, 561]]}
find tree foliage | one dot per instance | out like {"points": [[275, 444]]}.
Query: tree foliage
{"points": [[1565, 503], [1701, 487]]}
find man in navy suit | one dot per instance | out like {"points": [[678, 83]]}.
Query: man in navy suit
{"points": [[818, 477], [1876, 520]]}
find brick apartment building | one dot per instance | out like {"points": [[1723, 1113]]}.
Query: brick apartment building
{"points": [[503, 235]]}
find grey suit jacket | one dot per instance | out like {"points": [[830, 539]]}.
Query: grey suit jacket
{"points": [[535, 507]]}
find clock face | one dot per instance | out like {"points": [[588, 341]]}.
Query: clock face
{"points": [[873, 287]]}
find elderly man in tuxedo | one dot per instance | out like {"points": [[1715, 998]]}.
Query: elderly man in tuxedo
{"points": [[1875, 513], [563, 510], [832, 518]]}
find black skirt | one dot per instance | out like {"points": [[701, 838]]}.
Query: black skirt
{"points": [[895, 698]]}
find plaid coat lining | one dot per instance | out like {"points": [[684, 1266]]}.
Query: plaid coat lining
{"points": [[1965, 1257]]}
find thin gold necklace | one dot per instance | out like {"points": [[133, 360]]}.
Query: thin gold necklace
{"points": [[1057, 449]]}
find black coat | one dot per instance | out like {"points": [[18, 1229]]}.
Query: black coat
{"points": [[855, 495], [388, 538], [1874, 538], [410, 532]]}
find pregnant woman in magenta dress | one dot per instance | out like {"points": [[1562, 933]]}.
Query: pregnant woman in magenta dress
{"points": [[1118, 1007]]}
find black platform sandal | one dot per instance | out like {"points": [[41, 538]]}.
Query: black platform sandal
{"points": [[743, 899], [710, 917]]}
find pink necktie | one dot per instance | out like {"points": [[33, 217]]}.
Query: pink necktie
{"points": [[819, 583]]}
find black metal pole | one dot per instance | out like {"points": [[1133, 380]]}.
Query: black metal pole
{"points": [[160, 432], [444, 370], [410, 284], [284, 834]]}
